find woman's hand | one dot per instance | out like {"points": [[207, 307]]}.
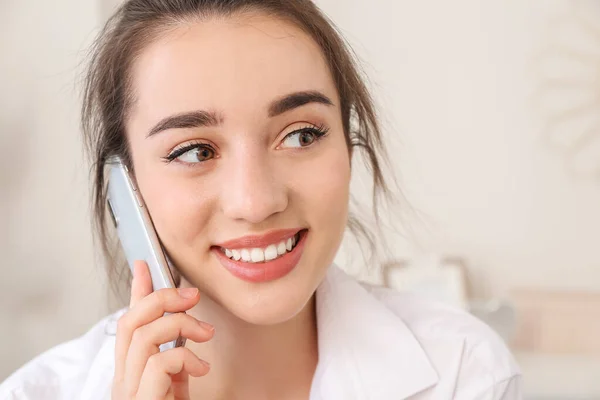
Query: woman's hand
{"points": [[141, 370]]}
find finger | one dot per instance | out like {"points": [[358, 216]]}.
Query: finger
{"points": [[156, 304], [147, 310], [160, 369], [141, 286], [146, 340]]}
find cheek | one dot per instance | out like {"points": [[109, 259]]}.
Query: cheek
{"points": [[179, 209], [323, 189]]}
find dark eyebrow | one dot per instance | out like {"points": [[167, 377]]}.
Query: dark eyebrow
{"points": [[202, 118], [297, 99], [192, 119]]}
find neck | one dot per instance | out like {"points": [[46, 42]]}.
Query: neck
{"points": [[255, 361]]}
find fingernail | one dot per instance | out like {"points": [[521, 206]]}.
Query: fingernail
{"points": [[188, 293], [206, 326]]}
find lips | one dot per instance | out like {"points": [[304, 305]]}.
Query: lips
{"points": [[262, 258], [252, 241]]}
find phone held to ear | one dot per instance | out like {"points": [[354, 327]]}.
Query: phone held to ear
{"points": [[135, 230]]}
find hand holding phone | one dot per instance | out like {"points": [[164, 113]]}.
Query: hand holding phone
{"points": [[136, 231], [150, 357], [141, 370]]}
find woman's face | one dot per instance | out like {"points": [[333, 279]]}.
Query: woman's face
{"points": [[239, 152]]}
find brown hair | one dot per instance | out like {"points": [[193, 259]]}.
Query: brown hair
{"points": [[108, 94]]}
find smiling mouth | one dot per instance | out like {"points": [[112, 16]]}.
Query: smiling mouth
{"points": [[257, 255]]}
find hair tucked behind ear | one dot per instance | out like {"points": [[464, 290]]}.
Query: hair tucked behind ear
{"points": [[107, 91]]}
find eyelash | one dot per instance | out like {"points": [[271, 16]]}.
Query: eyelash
{"points": [[179, 151], [318, 130]]}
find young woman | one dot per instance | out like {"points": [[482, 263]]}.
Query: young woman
{"points": [[238, 119]]}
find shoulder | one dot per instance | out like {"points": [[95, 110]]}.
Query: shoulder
{"points": [[62, 371], [461, 348]]}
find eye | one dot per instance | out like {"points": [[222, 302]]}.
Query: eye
{"points": [[303, 137], [192, 153]]}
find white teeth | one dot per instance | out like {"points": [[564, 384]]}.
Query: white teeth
{"points": [[281, 248], [257, 255], [271, 252], [246, 255]]}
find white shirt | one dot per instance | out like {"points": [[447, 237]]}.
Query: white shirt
{"points": [[374, 343]]}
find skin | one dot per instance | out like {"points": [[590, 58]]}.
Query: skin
{"points": [[264, 342]]}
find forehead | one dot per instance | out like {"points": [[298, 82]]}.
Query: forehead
{"points": [[232, 64]]}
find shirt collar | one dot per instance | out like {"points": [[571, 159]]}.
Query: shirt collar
{"points": [[365, 350]]}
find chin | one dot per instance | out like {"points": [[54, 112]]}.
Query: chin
{"points": [[266, 303], [272, 312], [273, 303]]}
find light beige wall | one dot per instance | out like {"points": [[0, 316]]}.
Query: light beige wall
{"points": [[459, 84], [50, 290]]}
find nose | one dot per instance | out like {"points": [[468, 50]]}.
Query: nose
{"points": [[252, 191]]}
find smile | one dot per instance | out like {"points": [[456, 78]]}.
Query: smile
{"points": [[268, 253], [263, 258]]}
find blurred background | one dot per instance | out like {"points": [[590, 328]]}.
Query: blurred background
{"points": [[491, 112]]}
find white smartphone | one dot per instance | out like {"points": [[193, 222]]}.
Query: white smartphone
{"points": [[136, 231]]}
